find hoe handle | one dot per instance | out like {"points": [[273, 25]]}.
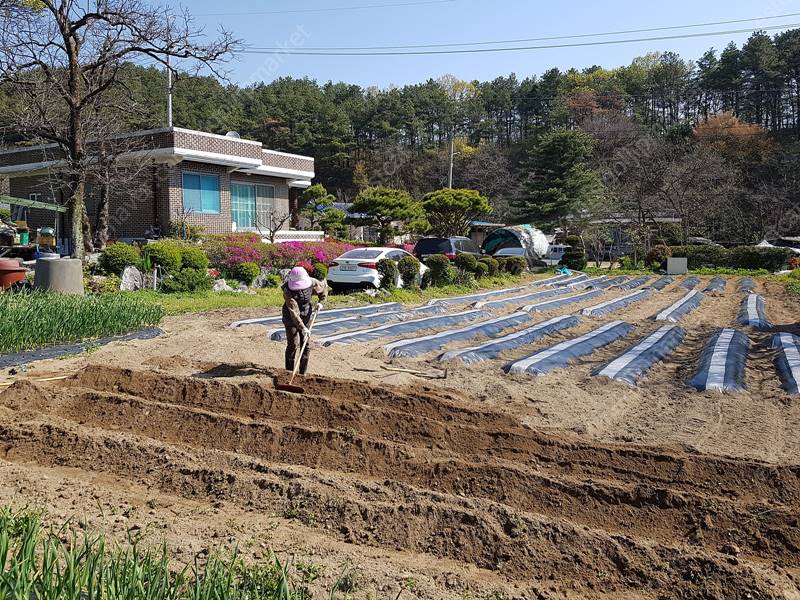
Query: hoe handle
{"points": [[299, 356]]}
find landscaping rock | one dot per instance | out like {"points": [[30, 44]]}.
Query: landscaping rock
{"points": [[261, 280], [132, 280], [220, 285]]}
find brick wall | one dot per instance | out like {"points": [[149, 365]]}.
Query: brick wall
{"points": [[287, 161]]}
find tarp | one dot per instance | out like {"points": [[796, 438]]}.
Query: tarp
{"points": [[429, 343], [553, 304], [610, 306], [746, 285], [571, 281], [517, 300], [361, 321], [518, 236], [606, 283], [722, 363], [633, 364], [588, 283], [662, 282], [752, 313], [690, 283], [471, 298], [560, 355], [396, 329], [494, 348], [632, 284], [327, 315], [716, 285], [787, 361], [682, 307], [548, 281]]}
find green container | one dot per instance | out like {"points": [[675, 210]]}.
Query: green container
{"points": [[24, 238]]}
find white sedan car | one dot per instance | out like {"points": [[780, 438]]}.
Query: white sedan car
{"points": [[359, 268]]}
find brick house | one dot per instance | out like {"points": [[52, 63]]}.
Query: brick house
{"points": [[220, 182]]}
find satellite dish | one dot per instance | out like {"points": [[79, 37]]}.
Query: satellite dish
{"points": [[233, 134]]}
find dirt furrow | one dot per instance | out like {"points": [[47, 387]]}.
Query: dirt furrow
{"points": [[375, 415], [643, 511], [522, 546]]}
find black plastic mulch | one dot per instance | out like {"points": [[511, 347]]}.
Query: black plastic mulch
{"points": [[23, 358]]}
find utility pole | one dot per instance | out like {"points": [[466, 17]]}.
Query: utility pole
{"points": [[169, 93], [452, 157]]}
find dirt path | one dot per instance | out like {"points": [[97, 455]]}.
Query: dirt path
{"points": [[563, 486]]}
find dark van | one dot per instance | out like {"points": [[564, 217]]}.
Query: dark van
{"points": [[450, 247]]}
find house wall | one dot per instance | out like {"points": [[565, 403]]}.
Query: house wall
{"points": [[170, 195]]}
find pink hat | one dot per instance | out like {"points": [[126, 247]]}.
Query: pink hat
{"points": [[299, 279]]}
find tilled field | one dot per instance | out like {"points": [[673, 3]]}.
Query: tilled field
{"points": [[528, 486], [417, 472]]}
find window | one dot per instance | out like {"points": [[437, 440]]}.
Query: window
{"points": [[201, 193], [251, 205], [35, 197]]}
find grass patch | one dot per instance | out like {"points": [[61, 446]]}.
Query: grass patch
{"points": [[594, 271], [178, 304], [37, 562], [34, 320]]}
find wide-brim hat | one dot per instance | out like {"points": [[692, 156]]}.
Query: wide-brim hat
{"points": [[299, 279]]}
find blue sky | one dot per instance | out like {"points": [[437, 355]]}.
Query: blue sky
{"points": [[465, 21]]}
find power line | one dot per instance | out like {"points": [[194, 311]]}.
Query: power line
{"points": [[324, 10], [539, 39], [291, 52]]}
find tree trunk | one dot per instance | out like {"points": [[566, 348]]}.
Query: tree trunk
{"points": [[101, 226], [76, 215]]}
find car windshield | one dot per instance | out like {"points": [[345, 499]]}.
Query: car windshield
{"points": [[433, 245], [362, 254]]}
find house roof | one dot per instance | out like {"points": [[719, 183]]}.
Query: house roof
{"points": [[171, 144]]}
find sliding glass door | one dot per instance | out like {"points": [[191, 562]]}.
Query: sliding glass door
{"points": [[251, 205]]}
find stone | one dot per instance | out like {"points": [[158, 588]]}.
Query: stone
{"points": [[261, 280], [220, 285], [132, 280]]}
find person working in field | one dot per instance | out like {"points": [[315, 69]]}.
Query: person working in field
{"points": [[298, 290]]}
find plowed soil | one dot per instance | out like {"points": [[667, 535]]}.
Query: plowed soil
{"points": [[555, 487]]}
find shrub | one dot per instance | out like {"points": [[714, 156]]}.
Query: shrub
{"points": [[463, 278], [502, 263], [387, 269], [193, 257], [658, 256], [575, 256], [110, 284], [116, 257], [481, 269], [492, 265], [234, 248], [5, 215], [626, 263], [753, 257], [245, 272], [466, 262], [794, 262], [165, 254], [187, 280], [795, 275], [409, 268], [319, 271], [439, 269], [701, 256], [516, 265], [185, 231], [273, 281]]}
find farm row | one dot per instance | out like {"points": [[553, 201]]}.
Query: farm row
{"points": [[505, 325]]}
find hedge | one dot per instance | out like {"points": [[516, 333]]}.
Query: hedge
{"points": [[742, 257]]}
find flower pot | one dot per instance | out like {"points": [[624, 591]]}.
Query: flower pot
{"points": [[10, 275]]}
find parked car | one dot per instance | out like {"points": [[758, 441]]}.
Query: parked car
{"points": [[555, 254], [450, 247], [533, 263], [359, 268]]}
